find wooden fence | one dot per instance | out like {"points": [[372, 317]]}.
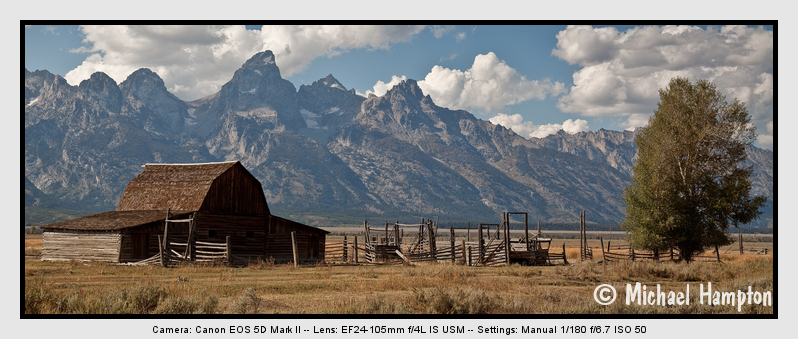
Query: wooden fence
{"points": [[553, 256], [626, 252]]}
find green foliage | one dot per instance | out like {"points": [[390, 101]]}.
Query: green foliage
{"points": [[688, 184]]}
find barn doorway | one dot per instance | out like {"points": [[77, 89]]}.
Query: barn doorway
{"points": [[141, 245]]}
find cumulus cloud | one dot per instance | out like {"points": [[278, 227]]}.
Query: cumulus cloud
{"points": [[489, 84], [195, 61], [530, 130], [381, 87], [621, 71], [636, 120]]}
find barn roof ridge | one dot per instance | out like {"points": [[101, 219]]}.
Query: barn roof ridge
{"points": [[191, 164]]}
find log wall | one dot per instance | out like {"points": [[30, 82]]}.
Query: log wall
{"points": [[81, 245]]}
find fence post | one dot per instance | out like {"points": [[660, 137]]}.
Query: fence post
{"points": [[354, 249], [227, 253], [293, 244], [345, 258], [451, 243], [463, 244], [161, 252], [564, 257], [526, 233], [481, 245], [468, 255], [581, 238], [633, 253], [507, 238], [740, 239], [433, 238], [603, 256]]}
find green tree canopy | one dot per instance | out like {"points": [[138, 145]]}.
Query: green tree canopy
{"points": [[688, 183]]}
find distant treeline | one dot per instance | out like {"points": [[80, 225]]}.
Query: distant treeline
{"points": [[589, 227]]}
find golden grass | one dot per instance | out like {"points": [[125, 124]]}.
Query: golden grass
{"points": [[426, 288]]}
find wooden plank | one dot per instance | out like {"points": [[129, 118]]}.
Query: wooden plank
{"points": [[293, 244]]}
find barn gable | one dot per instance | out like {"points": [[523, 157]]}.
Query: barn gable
{"points": [[225, 187]]}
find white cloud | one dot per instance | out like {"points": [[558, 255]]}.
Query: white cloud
{"points": [[50, 29], [447, 58], [530, 130], [440, 31], [622, 71], [636, 120], [195, 61], [575, 126], [381, 87], [460, 36], [489, 84]]}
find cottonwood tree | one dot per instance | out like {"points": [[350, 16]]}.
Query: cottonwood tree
{"points": [[688, 183]]}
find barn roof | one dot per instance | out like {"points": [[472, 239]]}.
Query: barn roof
{"points": [[178, 186], [114, 220]]}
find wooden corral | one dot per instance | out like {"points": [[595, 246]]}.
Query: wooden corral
{"points": [[175, 208], [490, 244]]}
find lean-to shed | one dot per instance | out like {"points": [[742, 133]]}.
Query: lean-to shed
{"points": [[223, 200]]}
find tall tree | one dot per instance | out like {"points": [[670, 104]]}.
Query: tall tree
{"points": [[688, 184]]}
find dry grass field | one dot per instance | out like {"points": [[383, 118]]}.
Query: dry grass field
{"points": [[427, 288]]}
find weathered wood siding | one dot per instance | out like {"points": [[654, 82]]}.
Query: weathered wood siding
{"points": [[141, 242], [236, 191], [81, 245], [310, 247], [310, 241], [247, 233]]}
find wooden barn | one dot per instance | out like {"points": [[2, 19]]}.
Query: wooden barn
{"points": [[189, 205]]}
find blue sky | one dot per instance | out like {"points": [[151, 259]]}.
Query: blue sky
{"points": [[535, 79]]}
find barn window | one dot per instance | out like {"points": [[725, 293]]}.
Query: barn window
{"points": [[212, 234], [250, 234]]}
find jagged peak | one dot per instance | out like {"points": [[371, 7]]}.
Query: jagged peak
{"points": [[407, 88], [97, 77], [331, 81], [143, 80], [39, 73], [262, 61], [140, 75]]}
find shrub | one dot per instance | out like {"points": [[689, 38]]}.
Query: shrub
{"points": [[248, 303], [145, 299], [438, 301]]}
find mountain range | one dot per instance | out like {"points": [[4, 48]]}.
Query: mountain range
{"points": [[322, 153]]}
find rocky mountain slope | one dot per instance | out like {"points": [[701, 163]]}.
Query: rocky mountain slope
{"points": [[318, 151]]}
